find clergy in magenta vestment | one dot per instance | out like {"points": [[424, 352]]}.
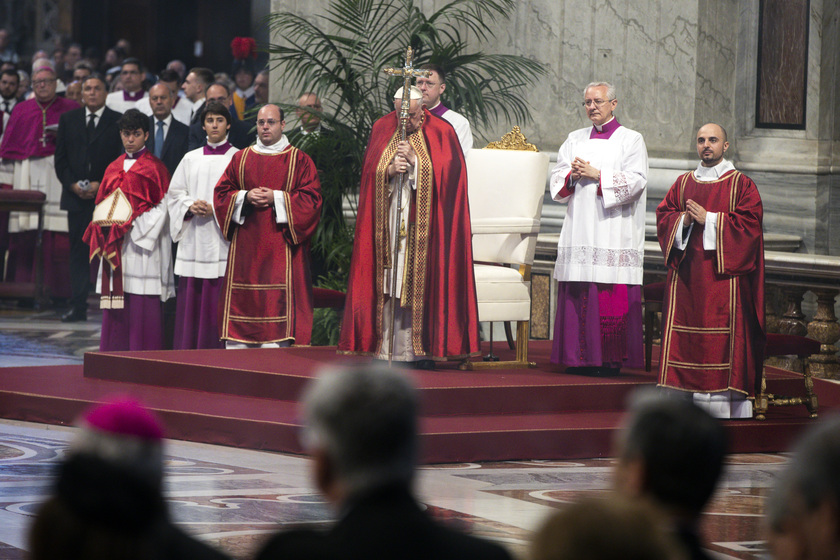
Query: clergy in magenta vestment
{"points": [[601, 249], [437, 316], [29, 142], [136, 271], [267, 292], [713, 328], [202, 249]]}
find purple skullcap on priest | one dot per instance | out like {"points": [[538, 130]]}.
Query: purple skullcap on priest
{"points": [[124, 416]]}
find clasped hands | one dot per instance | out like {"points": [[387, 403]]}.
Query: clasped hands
{"points": [[403, 159], [201, 208], [85, 194], [582, 168], [694, 213], [261, 197]]}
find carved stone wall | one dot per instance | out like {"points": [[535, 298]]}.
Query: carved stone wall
{"points": [[678, 64]]}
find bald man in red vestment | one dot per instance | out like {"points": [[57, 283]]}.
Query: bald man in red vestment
{"points": [[268, 204], [713, 332], [436, 309]]}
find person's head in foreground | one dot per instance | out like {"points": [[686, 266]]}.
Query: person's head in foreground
{"points": [[108, 493], [803, 511], [361, 429], [615, 528], [671, 452]]}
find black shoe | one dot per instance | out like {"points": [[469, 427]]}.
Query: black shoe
{"points": [[608, 371], [424, 364], [74, 316], [582, 370]]}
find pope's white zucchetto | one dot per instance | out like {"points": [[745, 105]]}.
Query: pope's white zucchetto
{"points": [[415, 93]]}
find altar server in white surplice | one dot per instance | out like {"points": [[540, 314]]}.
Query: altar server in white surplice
{"points": [[601, 174], [202, 249]]}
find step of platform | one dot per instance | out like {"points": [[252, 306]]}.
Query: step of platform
{"points": [[466, 416]]}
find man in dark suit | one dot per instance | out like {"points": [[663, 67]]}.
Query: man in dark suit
{"points": [[88, 140], [242, 133], [361, 430], [168, 137]]}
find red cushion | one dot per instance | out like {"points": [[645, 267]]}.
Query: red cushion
{"points": [[324, 297], [786, 344], [17, 195]]}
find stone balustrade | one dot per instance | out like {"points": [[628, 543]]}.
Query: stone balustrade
{"points": [[789, 278]]}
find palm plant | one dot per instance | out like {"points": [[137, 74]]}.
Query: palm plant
{"points": [[340, 56]]}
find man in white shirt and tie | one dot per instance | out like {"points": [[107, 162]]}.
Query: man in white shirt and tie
{"points": [[167, 136]]}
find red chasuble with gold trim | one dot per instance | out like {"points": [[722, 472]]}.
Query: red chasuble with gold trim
{"points": [[713, 329], [439, 284], [267, 292]]}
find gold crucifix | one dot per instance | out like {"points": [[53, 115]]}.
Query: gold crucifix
{"points": [[406, 72]]}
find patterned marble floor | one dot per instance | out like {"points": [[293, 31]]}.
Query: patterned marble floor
{"points": [[234, 498], [33, 338]]}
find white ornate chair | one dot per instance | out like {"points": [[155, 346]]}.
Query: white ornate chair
{"points": [[506, 190]]}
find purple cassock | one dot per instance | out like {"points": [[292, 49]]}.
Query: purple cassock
{"points": [[138, 326], [197, 313]]}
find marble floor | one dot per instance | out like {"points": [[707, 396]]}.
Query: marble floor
{"points": [[234, 498]]}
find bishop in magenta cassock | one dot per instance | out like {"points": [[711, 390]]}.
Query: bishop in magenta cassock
{"points": [[713, 332], [202, 249], [135, 275], [29, 142], [435, 299], [268, 204], [601, 173]]}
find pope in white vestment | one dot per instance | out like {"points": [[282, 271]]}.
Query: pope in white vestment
{"points": [[601, 173]]}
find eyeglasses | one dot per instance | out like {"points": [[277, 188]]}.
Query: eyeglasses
{"points": [[43, 82], [269, 122], [598, 102]]}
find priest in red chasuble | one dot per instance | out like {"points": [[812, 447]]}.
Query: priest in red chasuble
{"points": [[710, 230], [434, 295], [268, 204]]}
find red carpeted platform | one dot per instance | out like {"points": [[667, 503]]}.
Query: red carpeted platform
{"points": [[248, 398]]}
